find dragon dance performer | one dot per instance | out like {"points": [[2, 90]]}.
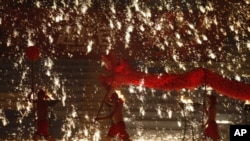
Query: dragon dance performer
{"points": [[211, 128], [118, 127], [42, 104]]}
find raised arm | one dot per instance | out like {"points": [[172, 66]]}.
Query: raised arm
{"points": [[108, 116], [108, 95]]}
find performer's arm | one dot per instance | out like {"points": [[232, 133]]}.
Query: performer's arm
{"points": [[108, 116], [108, 94], [52, 102]]}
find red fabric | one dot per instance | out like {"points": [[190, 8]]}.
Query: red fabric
{"points": [[212, 130], [118, 129], [43, 127], [32, 53], [123, 74]]}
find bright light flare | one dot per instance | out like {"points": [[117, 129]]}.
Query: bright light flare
{"points": [[127, 35], [247, 102], [131, 89], [248, 45], [89, 47], [57, 82], [170, 113], [142, 111], [224, 122], [185, 100], [64, 96], [97, 135], [73, 113], [3, 118], [159, 111], [179, 123], [48, 63], [202, 9], [120, 95]]}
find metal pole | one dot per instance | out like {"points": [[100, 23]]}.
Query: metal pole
{"points": [[98, 113]]}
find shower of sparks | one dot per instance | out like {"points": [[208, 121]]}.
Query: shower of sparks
{"points": [[248, 44], [131, 89], [30, 42], [89, 47], [212, 55], [74, 113], [142, 111], [170, 113], [48, 63], [3, 118], [57, 82], [8, 42], [159, 111], [179, 123], [167, 37], [127, 35], [237, 77], [97, 136], [64, 96], [120, 95]]}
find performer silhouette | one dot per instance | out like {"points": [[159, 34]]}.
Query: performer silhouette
{"points": [[118, 127], [211, 128], [42, 104]]}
